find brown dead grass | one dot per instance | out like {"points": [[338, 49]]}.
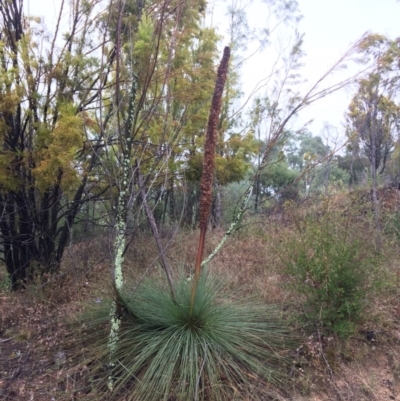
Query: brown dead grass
{"points": [[35, 342]]}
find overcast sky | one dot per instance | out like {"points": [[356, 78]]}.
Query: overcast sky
{"points": [[330, 27]]}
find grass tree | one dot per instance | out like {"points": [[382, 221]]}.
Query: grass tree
{"points": [[202, 342], [142, 75], [198, 341]]}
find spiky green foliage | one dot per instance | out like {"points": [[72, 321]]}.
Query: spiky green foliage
{"points": [[331, 261], [227, 348]]}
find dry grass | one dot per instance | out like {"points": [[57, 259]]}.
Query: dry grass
{"points": [[35, 361]]}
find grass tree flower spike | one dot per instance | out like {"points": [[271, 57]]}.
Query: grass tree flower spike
{"points": [[208, 163]]}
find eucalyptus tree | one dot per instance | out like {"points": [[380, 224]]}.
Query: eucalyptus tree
{"points": [[50, 140], [373, 119]]}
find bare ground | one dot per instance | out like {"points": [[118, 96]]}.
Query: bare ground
{"points": [[36, 364]]}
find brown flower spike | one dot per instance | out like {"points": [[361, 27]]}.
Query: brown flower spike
{"points": [[208, 163]]}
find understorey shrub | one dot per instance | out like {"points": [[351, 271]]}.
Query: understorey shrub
{"points": [[331, 262]]}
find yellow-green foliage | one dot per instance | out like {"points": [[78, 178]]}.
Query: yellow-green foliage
{"points": [[232, 161], [57, 156], [8, 180], [182, 84], [9, 99], [144, 38]]}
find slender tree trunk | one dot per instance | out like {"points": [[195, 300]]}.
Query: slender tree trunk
{"points": [[375, 200], [164, 213], [189, 205], [352, 169], [374, 166], [125, 144], [233, 227], [119, 248], [154, 229], [172, 214], [258, 180], [257, 194]]}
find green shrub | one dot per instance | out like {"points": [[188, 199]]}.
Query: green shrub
{"points": [[331, 262], [227, 349]]}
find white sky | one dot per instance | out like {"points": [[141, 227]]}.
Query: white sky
{"points": [[330, 27]]}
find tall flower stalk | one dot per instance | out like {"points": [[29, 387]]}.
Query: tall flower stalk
{"points": [[208, 165]]}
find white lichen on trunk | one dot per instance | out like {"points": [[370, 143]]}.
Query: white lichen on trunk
{"points": [[115, 325], [233, 227], [119, 248], [120, 228]]}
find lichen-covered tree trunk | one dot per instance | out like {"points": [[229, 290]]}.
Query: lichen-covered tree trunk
{"points": [[119, 248], [233, 226], [120, 230], [125, 155]]}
